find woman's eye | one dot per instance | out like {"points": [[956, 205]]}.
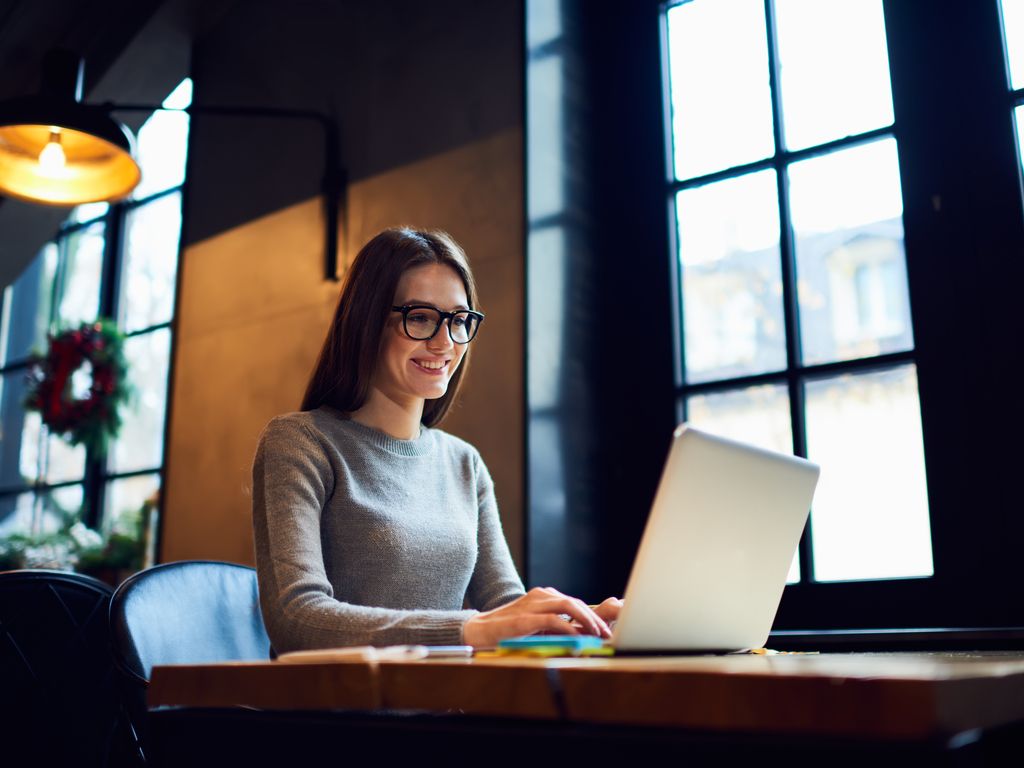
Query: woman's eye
{"points": [[419, 318], [459, 321]]}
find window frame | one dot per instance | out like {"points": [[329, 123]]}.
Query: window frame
{"points": [[97, 475], [963, 235], [962, 224], [796, 372]]}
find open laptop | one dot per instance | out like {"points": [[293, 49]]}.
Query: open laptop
{"points": [[712, 563], [718, 545]]}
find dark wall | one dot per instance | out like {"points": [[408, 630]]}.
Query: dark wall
{"points": [[405, 80], [600, 393]]}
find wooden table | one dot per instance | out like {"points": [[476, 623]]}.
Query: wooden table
{"points": [[882, 697]]}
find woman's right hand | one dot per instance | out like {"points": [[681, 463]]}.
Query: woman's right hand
{"points": [[541, 610]]}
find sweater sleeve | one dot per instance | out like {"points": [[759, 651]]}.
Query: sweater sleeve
{"points": [[495, 580], [292, 481]]}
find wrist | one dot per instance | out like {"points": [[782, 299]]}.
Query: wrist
{"points": [[468, 632]]}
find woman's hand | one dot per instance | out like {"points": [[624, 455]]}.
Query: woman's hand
{"points": [[541, 610], [609, 609]]}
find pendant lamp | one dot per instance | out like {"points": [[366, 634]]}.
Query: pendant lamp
{"points": [[57, 151]]}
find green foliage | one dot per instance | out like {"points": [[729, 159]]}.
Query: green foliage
{"points": [[120, 551], [77, 547]]}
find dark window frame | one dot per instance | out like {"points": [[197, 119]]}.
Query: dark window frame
{"points": [[96, 473], [795, 373], [959, 571], [963, 234]]}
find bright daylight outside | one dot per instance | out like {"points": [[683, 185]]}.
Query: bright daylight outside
{"points": [[842, 210]]}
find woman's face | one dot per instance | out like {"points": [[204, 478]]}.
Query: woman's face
{"points": [[410, 371]]}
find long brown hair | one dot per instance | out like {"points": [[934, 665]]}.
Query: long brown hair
{"points": [[342, 375]]}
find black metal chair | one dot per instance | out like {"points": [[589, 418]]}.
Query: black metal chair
{"points": [[186, 612], [59, 703]]}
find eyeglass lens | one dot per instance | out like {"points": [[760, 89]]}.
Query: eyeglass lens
{"points": [[422, 322]]}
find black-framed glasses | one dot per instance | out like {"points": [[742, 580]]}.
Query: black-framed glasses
{"points": [[422, 322]]}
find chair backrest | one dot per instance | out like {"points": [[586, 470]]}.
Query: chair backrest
{"points": [[185, 613], [59, 703]]}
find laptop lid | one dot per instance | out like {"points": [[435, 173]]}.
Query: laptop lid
{"points": [[718, 544]]}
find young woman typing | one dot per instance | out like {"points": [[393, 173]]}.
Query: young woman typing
{"points": [[372, 526]]}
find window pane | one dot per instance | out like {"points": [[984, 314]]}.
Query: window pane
{"points": [[48, 457], [80, 276], [132, 506], [847, 214], [141, 442], [64, 462], [18, 466], [870, 517], [26, 310], [547, 311], [834, 69], [755, 415], [1018, 116], [546, 158], [89, 211], [162, 145], [27, 453], [543, 23], [41, 513], [731, 274], [718, 79], [1013, 29], [16, 514], [150, 263]]}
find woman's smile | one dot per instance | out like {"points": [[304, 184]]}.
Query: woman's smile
{"points": [[432, 367]]}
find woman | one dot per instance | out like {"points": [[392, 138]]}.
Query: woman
{"points": [[373, 527]]}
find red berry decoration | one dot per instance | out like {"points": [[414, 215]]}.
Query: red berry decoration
{"points": [[91, 420]]}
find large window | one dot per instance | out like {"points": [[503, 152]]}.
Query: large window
{"points": [[795, 314], [118, 261], [828, 251]]}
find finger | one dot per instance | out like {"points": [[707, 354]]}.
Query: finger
{"points": [[603, 630], [539, 623], [581, 612], [609, 609], [556, 625], [590, 621]]}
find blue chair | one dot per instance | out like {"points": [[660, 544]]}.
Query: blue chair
{"points": [[186, 612]]}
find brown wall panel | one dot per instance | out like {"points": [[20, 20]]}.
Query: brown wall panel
{"points": [[254, 309]]}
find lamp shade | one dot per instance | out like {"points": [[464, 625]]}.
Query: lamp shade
{"points": [[61, 152]]}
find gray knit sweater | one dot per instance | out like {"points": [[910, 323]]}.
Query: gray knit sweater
{"points": [[363, 539]]}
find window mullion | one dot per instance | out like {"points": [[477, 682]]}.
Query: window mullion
{"points": [[95, 467], [790, 302], [110, 284]]}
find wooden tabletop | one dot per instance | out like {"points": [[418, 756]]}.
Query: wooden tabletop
{"points": [[879, 696]]}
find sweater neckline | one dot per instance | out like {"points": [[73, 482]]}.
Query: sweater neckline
{"points": [[420, 446]]}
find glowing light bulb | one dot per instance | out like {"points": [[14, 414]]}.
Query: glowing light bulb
{"points": [[52, 158]]}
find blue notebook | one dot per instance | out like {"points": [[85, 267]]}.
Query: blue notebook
{"points": [[568, 645]]}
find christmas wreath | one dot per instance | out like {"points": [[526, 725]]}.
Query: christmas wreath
{"points": [[90, 416]]}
